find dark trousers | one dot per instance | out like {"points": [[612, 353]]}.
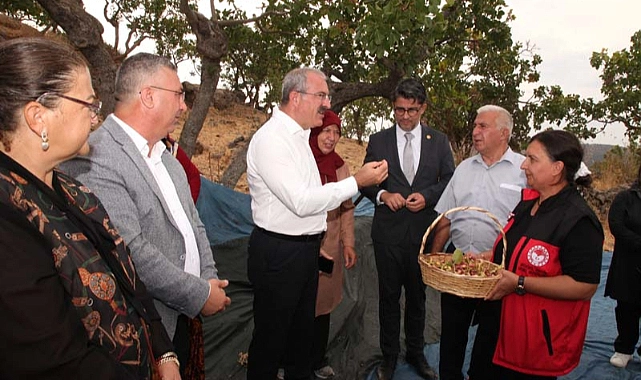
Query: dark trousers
{"points": [[456, 317], [284, 275], [321, 335], [627, 317], [397, 267], [487, 335]]}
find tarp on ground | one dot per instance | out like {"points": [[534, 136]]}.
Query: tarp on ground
{"points": [[353, 349], [353, 346], [595, 359], [227, 213]]}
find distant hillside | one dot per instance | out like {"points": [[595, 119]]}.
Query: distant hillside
{"points": [[595, 152]]}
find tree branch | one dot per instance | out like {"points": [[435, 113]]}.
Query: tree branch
{"points": [[249, 20]]}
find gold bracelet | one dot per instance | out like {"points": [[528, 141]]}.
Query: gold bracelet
{"points": [[168, 357], [167, 354]]}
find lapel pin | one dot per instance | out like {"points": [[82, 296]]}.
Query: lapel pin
{"points": [[428, 137]]}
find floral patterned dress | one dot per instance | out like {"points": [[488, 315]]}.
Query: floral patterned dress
{"points": [[95, 272]]}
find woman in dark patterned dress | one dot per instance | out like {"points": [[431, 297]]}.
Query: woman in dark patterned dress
{"points": [[71, 303]]}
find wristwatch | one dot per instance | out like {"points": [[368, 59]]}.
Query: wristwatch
{"points": [[520, 287]]}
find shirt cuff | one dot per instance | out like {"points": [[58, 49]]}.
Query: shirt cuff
{"points": [[378, 197], [350, 187]]}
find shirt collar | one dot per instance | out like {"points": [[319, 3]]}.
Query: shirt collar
{"points": [[416, 131], [508, 156], [290, 124], [140, 142]]}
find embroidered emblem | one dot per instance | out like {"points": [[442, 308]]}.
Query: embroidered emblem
{"points": [[538, 256], [84, 276], [59, 254], [125, 334], [102, 285], [91, 322], [80, 301]]}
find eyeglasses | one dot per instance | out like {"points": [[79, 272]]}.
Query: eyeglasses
{"points": [[411, 112], [94, 107], [321, 95], [180, 93]]}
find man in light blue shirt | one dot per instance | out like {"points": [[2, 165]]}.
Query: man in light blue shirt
{"points": [[492, 180]]}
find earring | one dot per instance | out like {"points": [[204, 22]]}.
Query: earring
{"points": [[45, 141]]}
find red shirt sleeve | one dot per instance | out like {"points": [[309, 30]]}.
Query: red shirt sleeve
{"points": [[193, 174]]}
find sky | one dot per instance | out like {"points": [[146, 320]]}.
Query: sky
{"points": [[564, 33]]}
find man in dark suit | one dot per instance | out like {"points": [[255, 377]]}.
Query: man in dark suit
{"points": [[420, 166]]}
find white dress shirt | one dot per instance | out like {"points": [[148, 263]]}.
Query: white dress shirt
{"points": [[168, 190], [287, 195], [416, 144], [400, 147]]}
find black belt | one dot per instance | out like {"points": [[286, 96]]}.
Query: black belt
{"points": [[298, 238]]}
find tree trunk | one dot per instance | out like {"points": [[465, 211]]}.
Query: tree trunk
{"points": [[85, 33], [198, 114], [344, 93], [237, 165], [211, 44]]}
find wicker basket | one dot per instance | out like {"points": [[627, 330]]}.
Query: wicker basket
{"points": [[450, 282]]}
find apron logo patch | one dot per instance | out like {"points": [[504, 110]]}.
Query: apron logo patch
{"points": [[538, 256]]}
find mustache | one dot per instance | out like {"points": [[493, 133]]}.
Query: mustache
{"points": [[322, 109]]}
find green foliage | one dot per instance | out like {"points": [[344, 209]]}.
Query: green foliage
{"points": [[462, 50], [559, 109], [478, 65], [621, 80], [26, 10], [256, 61], [403, 29], [158, 20], [360, 118]]}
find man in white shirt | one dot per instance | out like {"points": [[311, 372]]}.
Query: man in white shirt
{"points": [[491, 180], [145, 191], [289, 207]]}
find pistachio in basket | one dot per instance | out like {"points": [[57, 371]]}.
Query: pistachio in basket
{"points": [[466, 265]]}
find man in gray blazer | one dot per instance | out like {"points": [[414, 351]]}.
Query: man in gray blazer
{"points": [[146, 193]]}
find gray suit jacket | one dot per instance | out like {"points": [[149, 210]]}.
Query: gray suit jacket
{"points": [[117, 173]]}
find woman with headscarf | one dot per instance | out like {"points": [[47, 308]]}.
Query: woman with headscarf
{"points": [[537, 327], [71, 302], [338, 244]]}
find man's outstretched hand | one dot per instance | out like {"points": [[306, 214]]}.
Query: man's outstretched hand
{"points": [[372, 173]]}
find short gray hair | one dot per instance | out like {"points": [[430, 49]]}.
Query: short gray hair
{"points": [[135, 70], [296, 80], [503, 118]]}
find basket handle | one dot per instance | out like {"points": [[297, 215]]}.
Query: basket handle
{"points": [[467, 208]]}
